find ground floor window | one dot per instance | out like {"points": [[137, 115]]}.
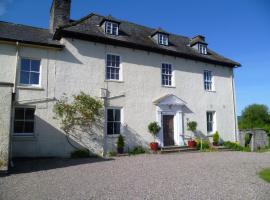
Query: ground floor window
{"points": [[113, 121], [210, 121], [24, 121]]}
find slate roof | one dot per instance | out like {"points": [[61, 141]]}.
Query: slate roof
{"points": [[138, 37], [27, 34]]}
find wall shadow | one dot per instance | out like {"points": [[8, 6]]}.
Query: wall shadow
{"points": [[133, 138]]}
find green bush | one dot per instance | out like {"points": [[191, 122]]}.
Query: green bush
{"points": [[216, 138], [112, 153], [265, 174], [153, 128], [192, 126], [234, 146], [120, 142], [205, 144], [80, 153], [137, 150]]}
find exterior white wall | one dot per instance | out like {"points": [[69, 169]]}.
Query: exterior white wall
{"points": [[81, 67]]}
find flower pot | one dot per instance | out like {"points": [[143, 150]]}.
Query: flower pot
{"points": [[191, 143], [154, 146], [120, 150]]}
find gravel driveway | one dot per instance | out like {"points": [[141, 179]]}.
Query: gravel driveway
{"points": [[221, 175]]}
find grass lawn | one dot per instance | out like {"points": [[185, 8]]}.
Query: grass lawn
{"points": [[265, 174]]}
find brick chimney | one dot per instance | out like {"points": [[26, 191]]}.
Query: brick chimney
{"points": [[59, 14]]}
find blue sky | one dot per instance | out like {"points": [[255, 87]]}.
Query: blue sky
{"points": [[237, 29]]}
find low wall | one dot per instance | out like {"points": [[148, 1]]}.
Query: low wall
{"points": [[259, 138]]}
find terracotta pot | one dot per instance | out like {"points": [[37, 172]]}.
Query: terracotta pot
{"points": [[154, 146], [120, 150], [191, 143]]}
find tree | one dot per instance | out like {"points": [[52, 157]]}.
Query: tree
{"points": [[255, 116], [79, 115]]}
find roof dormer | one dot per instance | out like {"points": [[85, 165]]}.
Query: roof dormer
{"points": [[110, 26], [161, 37], [198, 43]]}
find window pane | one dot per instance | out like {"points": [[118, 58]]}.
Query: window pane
{"points": [[18, 126], [25, 64], [34, 78], [24, 77], [29, 113], [19, 113], [35, 64], [116, 128], [117, 115], [110, 115], [29, 127], [110, 128]]}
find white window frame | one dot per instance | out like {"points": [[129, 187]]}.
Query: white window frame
{"points": [[202, 49], [121, 120], [111, 28], [120, 68], [213, 122], [34, 121], [208, 80], [163, 39], [19, 73], [164, 74]]}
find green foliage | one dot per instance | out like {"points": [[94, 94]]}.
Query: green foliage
{"points": [[255, 116], [234, 146], [216, 138], [112, 153], [80, 153], [247, 139], [83, 111], [137, 150], [265, 174], [120, 142], [153, 128], [205, 144], [192, 126]]}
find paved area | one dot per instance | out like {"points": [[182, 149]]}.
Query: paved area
{"points": [[221, 175]]}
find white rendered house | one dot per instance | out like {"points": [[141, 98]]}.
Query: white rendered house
{"points": [[142, 74]]}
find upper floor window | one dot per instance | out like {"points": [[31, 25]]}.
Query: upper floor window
{"points": [[113, 121], [111, 28], [30, 72], [208, 80], [24, 119], [163, 39], [113, 67], [210, 121], [202, 48], [166, 74]]}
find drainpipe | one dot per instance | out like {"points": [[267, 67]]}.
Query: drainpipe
{"points": [[15, 67], [234, 108]]}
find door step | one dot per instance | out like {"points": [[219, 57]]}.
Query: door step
{"points": [[172, 149]]}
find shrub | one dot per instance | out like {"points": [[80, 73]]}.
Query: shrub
{"points": [[154, 128], [234, 146], [216, 138], [192, 126], [120, 142], [80, 153], [137, 150], [112, 153], [205, 144]]}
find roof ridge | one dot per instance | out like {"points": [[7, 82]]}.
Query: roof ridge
{"points": [[16, 24]]}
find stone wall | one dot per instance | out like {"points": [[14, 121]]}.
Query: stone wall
{"points": [[259, 138], [5, 113]]}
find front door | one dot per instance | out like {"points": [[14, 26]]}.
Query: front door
{"points": [[168, 130]]}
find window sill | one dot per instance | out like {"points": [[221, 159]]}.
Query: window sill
{"points": [[24, 87], [23, 137], [211, 91], [168, 86], [113, 136], [115, 81]]}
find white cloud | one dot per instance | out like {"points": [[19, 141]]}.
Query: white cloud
{"points": [[3, 6]]}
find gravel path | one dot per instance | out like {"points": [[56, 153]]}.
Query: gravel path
{"points": [[221, 175]]}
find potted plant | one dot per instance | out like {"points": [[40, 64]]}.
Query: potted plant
{"points": [[192, 126], [215, 139], [154, 128], [120, 144]]}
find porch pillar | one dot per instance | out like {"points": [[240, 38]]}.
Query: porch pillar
{"points": [[5, 121]]}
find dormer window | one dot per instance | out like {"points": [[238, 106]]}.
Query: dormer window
{"points": [[163, 39], [111, 28], [202, 49]]}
